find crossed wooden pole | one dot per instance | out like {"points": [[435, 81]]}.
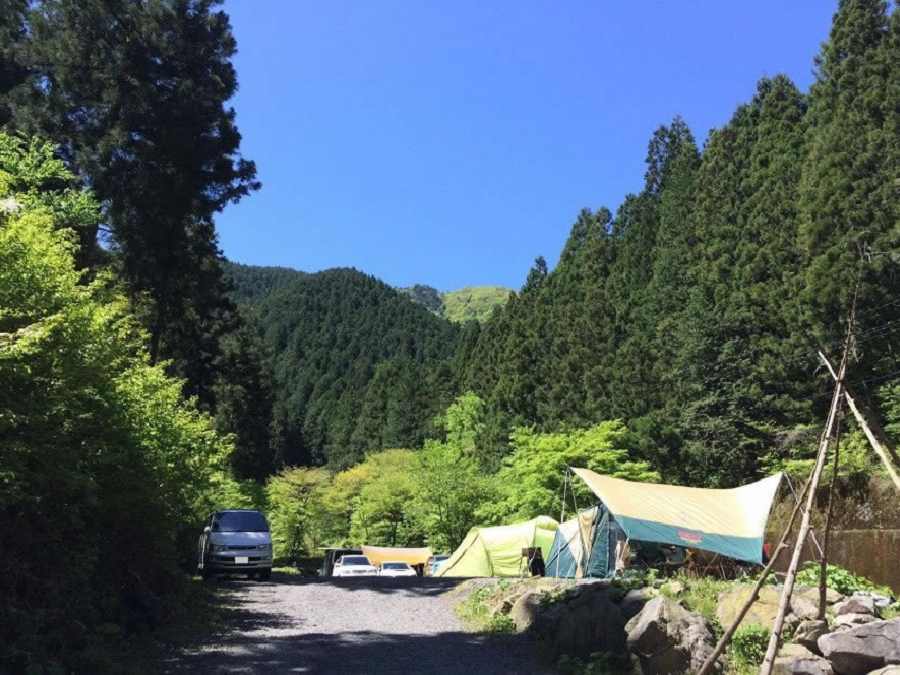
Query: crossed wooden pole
{"points": [[804, 506]]}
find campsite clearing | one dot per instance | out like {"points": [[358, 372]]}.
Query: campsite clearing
{"points": [[371, 625]]}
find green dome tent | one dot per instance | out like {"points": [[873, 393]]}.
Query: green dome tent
{"points": [[497, 551]]}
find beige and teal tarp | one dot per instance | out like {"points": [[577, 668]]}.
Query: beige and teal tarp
{"points": [[730, 522], [497, 551]]}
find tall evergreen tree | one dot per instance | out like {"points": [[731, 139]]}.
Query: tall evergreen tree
{"points": [[136, 93], [849, 208]]}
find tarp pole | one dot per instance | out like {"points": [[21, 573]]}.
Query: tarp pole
{"points": [[836, 401], [782, 544]]}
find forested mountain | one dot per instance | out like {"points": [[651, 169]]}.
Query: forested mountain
{"points": [[357, 365], [472, 303], [695, 312]]}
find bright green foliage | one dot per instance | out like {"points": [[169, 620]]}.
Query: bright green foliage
{"points": [[295, 510], [531, 479], [384, 507], [452, 485], [473, 303], [106, 469], [839, 579], [748, 645], [134, 95]]}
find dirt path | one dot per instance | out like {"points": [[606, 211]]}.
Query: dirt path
{"points": [[303, 625]]}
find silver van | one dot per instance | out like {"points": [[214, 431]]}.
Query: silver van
{"points": [[236, 540]]}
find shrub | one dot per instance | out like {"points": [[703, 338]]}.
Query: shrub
{"points": [[841, 580], [748, 645]]}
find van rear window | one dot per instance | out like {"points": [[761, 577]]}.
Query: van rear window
{"points": [[240, 521]]}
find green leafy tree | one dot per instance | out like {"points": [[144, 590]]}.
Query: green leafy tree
{"points": [[531, 479], [95, 438], [294, 498]]}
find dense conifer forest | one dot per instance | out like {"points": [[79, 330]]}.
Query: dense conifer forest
{"points": [[145, 379]]}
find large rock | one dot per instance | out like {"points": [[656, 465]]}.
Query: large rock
{"points": [[856, 604], [811, 593], [863, 649], [525, 610], [845, 621], [808, 634], [580, 624], [634, 601], [887, 670], [797, 660], [762, 612], [803, 608], [668, 639]]}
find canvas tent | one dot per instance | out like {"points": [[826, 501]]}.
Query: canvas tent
{"points": [[381, 554], [728, 522], [581, 546], [497, 551]]}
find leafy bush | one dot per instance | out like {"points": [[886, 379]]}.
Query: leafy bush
{"points": [[839, 579], [106, 468], [748, 645], [500, 623]]}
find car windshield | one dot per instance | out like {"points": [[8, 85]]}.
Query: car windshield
{"points": [[354, 560], [240, 521], [395, 566]]}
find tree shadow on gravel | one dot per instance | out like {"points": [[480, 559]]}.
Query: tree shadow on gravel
{"points": [[364, 652], [422, 586], [256, 638]]}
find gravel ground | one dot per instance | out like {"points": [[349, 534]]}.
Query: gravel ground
{"points": [[371, 625]]}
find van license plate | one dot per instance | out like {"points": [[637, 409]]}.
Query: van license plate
{"points": [[241, 560]]}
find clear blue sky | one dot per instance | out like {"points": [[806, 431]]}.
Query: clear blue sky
{"points": [[449, 143]]}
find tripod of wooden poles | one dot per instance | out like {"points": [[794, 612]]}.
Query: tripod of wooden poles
{"points": [[804, 506]]}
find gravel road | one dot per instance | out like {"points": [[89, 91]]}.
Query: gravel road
{"points": [[370, 625]]}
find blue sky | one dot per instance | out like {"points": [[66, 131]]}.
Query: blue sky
{"points": [[450, 143]]}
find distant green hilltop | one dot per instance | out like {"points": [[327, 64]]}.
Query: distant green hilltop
{"points": [[467, 304]]}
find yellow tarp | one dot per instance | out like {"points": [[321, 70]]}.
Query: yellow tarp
{"points": [[381, 554], [497, 551]]}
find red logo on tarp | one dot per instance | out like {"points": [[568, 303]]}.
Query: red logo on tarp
{"points": [[690, 537]]}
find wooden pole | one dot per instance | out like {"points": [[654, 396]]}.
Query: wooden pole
{"points": [[879, 442], [823, 559], [782, 544], [836, 401]]}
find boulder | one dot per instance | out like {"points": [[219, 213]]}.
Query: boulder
{"points": [[887, 670], [668, 639], [845, 621], [811, 593], [856, 604], [525, 610], [803, 608], [762, 612], [580, 624], [808, 634], [634, 601], [795, 659], [860, 650], [878, 600]]}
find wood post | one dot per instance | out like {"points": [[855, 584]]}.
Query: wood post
{"points": [[787, 591], [782, 544], [879, 442]]}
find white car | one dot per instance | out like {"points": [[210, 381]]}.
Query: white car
{"points": [[354, 566], [396, 569]]}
